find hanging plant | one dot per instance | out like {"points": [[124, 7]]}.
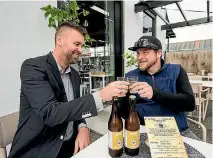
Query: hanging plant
{"points": [[71, 12]]}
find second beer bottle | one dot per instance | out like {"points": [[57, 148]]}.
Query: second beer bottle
{"points": [[115, 131], [132, 130]]}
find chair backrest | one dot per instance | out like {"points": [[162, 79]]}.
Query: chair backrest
{"points": [[195, 78], [203, 128], [196, 88], [210, 74], [190, 74], [8, 126]]}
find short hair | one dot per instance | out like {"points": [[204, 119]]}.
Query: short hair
{"points": [[71, 25]]}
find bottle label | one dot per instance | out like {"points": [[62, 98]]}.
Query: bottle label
{"points": [[132, 139], [115, 140]]}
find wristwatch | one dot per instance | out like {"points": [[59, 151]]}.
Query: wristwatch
{"points": [[82, 125]]}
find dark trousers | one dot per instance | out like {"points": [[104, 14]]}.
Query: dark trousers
{"points": [[67, 148]]}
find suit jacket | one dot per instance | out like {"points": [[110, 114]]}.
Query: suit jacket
{"points": [[44, 110]]}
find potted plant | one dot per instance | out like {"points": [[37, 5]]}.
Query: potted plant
{"points": [[131, 59], [71, 13]]}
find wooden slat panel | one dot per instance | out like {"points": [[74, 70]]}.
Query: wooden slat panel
{"points": [[192, 61], [187, 46], [174, 46], [178, 46], [197, 44], [171, 46], [182, 46], [191, 45], [202, 44], [207, 44]]}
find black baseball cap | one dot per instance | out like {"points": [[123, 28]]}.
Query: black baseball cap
{"points": [[147, 42]]}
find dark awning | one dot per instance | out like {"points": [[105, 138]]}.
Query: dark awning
{"points": [[146, 5], [181, 7]]}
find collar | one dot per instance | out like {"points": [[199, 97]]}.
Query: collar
{"points": [[161, 69], [62, 71], [51, 60]]}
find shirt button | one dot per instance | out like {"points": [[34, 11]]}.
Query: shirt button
{"points": [[61, 137]]}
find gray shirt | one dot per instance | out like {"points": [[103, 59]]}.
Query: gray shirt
{"points": [[65, 77], [70, 96]]}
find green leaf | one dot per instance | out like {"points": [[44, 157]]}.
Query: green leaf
{"points": [[86, 46], [92, 40], [71, 13], [46, 14], [77, 8], [131, 59], [44, 8], [77, 21], [49, 7], [85, 12], [52, 22]]}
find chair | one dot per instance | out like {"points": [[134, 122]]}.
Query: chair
{"points": [[195, 78], [98, 85], [83, 90], [202, 72], [210, 76], [204, 134], [85, 84], [8, 126], [190, 74], [201, 101]]}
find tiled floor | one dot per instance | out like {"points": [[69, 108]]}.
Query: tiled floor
{"points": [[94, 136], [100, 122]]}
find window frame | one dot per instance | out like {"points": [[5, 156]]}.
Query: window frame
{"points": [[153, 17]]}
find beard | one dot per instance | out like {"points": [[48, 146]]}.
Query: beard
{"points": [[72, 58], [144, 66]]}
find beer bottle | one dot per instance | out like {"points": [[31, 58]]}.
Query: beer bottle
{"points": [[132, 130], [115, 131]]}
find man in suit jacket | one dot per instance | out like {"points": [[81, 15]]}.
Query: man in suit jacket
{"points": [[52, 113]]}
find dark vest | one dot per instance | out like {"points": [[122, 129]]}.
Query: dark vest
{"points": [[164, 80]]}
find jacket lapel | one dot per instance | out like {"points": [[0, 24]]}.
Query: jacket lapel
{"points": [[54, 68]]}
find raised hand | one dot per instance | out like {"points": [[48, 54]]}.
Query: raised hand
{"points": [[116, 88], [143, 89]]}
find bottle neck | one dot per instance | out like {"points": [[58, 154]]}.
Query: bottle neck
{"points": [[132, 103], [115, 107]]}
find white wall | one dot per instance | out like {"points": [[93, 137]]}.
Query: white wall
{"points": [[133, 28], [24, 33]]}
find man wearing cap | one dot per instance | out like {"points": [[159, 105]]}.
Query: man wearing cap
{"points": [[162, 89]]}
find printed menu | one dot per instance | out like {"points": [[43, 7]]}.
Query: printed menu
{"points": [[164, 138]]}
